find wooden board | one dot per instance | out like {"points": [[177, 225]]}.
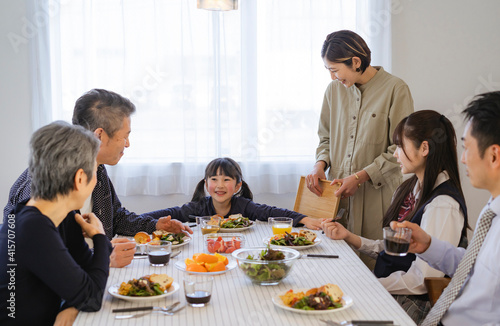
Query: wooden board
{"points": [[311, 205]]}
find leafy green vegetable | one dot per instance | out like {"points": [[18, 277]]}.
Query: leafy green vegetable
{"points": [[318, 301], [236, 223], [175, 238], [274, 271], [143, 288], [291, 240]]}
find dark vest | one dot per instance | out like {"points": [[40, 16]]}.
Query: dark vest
{"points": [[387, 264]]}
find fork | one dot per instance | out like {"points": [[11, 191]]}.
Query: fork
{"points": [[164, 312]]}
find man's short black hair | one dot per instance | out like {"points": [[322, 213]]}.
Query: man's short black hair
{"points": [[484, 114]]}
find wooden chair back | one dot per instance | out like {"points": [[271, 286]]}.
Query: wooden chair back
{"points": [[311, 205], [435, 286]]}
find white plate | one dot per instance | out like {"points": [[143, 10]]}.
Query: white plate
{"points": [[142, 247], [317, 241], [113, 290], [236, 230], [180, 265], [346, 303]]}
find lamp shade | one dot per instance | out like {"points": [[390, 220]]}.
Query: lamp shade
{"points": [[218, 5]]}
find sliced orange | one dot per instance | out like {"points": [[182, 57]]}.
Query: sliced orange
{"points": [[194, 267], [206, 258], [222, 258], [216, 267], [188, 261]]}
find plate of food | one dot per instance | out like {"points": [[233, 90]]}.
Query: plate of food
{"points": [[177, 239], [323, 300], [304, 239], [206, 264], [147, 288], [236, 223]]}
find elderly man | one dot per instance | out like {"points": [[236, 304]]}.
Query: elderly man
{"points": [[473, 295], [107, 115]]}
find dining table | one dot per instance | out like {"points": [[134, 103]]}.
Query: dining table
{"points": [[236, 300]]}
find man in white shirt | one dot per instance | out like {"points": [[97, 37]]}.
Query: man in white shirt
{"points": [[478, 299]]}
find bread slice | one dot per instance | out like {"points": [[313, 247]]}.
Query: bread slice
{"points": [[164, 280], [309, 235], [332, 290], [159, 233]]}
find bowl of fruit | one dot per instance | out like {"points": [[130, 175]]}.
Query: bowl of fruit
{"points": [[223, 243], [264, 265]]}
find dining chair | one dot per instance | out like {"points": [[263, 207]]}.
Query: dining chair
{"points": [[309, 204], [435, 286]]}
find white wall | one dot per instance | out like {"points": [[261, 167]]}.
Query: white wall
{"points": [[15, 102], [447, 51]]}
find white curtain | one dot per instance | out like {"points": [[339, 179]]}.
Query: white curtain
{"points": [[247, 84]]}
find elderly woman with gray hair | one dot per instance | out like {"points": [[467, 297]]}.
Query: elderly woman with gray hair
{"points": [[47, 271]]}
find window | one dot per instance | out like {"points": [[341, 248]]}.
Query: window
{"points": [[247, 84]]}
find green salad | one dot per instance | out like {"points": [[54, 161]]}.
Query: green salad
{"points": [[318, 301], [235, 222], [142, 287], [272, 271], [175, 238], [291, 240]]}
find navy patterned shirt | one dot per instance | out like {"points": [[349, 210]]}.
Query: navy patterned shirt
{"points": [[106, 206]]}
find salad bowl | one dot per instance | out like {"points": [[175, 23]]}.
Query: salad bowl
{"points": [[266, 266]]}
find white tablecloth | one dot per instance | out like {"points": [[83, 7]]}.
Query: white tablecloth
{"points": [[236, 301]]}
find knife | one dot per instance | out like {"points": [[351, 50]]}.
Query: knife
{"points": [[145, 255], [371, 322], [359, 322], [319, 256]]}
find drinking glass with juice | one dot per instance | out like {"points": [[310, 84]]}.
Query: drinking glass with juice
{"points": [[211, 225], [281, 225]]}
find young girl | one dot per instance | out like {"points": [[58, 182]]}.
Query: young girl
{"points": [[228, 195], [432, 198]]}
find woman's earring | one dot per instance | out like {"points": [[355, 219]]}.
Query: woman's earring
{"points": [[358, 69]]}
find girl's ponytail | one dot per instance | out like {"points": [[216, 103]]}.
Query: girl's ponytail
{"points": [[245, 191], [199, 192]]}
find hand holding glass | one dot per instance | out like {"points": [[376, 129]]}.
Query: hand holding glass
{"points": [[397, 241]]}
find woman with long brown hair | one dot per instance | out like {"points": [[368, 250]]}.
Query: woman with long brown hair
{"points": [[432, 198]]}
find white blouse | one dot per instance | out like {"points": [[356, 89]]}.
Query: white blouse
{"points": [[443, 219]]}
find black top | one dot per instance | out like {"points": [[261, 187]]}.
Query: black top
{"points": [[41, 266], [239, 205]]}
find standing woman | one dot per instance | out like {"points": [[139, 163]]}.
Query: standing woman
{"points": [[361, 107]]}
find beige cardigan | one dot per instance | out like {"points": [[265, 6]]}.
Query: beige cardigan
{"points": [[355, 132]]}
